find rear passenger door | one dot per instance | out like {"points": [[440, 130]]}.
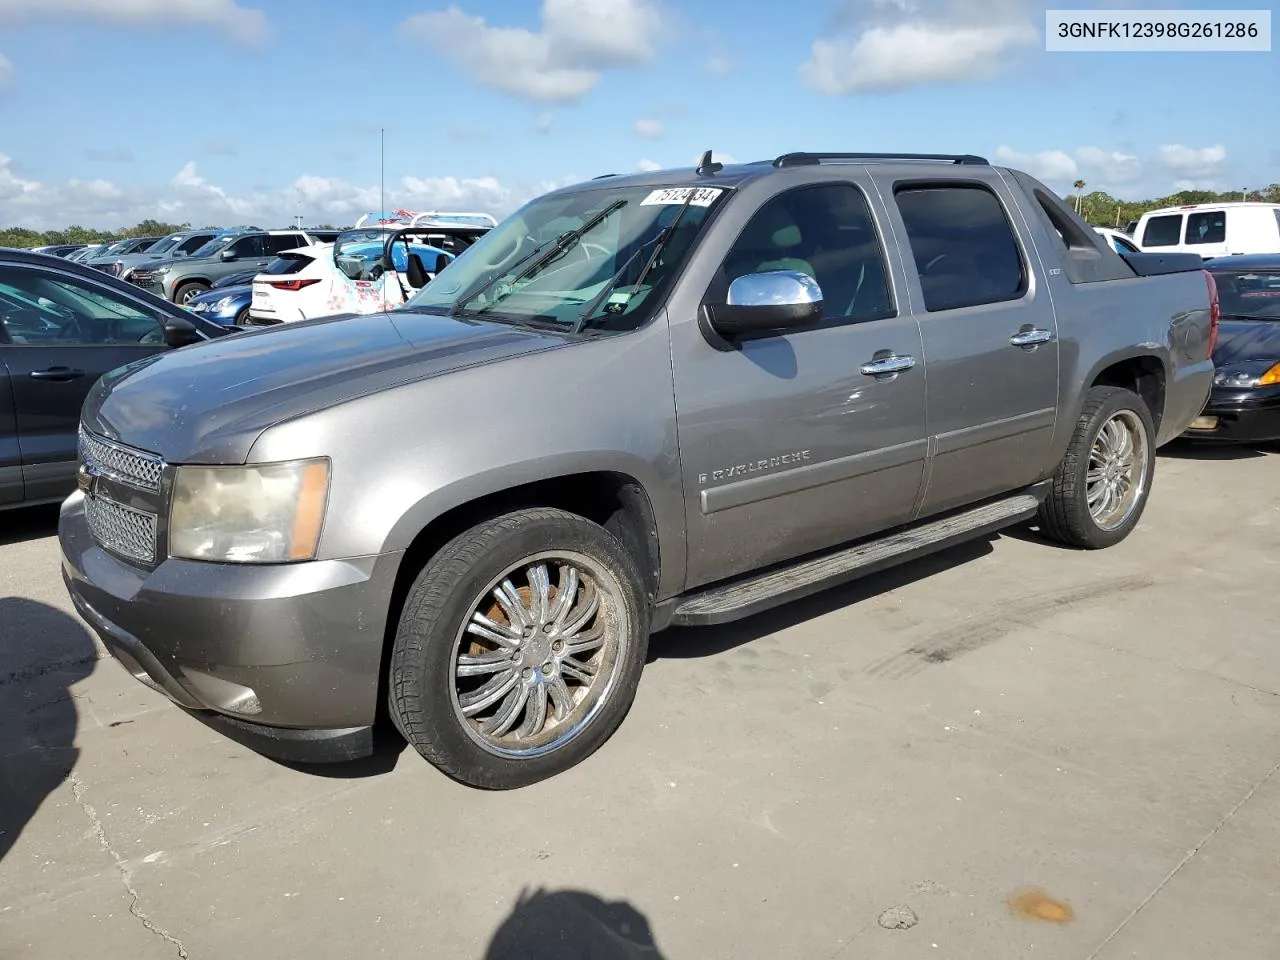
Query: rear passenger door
{"points": [[990, 339]]}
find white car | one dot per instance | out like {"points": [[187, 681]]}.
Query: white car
{"points": [[290, 282], [371, 268], [1120, 242], [1211, 229]]}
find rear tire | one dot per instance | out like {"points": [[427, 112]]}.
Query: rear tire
{"points": [[494, 679], [1100, 488]]}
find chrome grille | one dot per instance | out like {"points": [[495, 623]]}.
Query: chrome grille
{"points": [[143, 278], [120, 529], [134, 467]]}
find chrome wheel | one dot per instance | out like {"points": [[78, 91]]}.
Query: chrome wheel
{"points": [[1117, 476], [535, 660]]}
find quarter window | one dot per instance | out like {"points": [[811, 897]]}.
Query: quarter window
{"points": [[824, 231], [963, 246], [1208, 227], [1162, 231]]}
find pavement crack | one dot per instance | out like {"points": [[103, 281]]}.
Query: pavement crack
{"points": [[1183, 862], [135, 906]]}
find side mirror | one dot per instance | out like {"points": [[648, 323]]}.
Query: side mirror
{"points": [[179, 332], [227, 255], [767, 302]]}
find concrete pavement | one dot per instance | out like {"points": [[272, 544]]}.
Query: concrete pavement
{"points": [[1036, 752]]}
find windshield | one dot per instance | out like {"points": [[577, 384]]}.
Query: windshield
{"points": [[167, 244], [1251, 294], [559, 289], [213, 246]]}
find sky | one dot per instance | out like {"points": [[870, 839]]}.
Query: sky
{"points": [[256, 111]]}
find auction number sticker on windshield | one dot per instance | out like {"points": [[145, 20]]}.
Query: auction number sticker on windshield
{"points": [[702, 196]]}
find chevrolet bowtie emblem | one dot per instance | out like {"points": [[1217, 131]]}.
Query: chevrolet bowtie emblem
{"points": [[85, 479]]}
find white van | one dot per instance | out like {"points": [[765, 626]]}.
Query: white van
{"points": [[1211, 229]]}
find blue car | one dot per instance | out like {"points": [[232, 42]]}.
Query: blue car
{"points": [[228, 306]]}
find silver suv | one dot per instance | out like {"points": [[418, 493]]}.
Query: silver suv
{"points": [[180, 278], [671, 398]]}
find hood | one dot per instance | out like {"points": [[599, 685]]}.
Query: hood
{"points": [[208, 403], [1247, 340]]}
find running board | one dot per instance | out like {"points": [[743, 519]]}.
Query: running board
{"points": [[725, 602]]}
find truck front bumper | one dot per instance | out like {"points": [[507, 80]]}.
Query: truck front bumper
{"points": [[283, 658]]}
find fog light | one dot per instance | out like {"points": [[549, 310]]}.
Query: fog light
{"points": [[1204, 423]]}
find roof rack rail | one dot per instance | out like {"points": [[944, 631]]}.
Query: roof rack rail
{"points": [[604, 176], [812, 159]]}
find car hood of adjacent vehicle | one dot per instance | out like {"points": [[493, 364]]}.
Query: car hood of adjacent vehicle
{"points": [[1247, 340], [209, 402]]}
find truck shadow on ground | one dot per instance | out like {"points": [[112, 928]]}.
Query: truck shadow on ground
{"points": [[44, 652], [572, 925], [28, 523], [679, 643], [1191, 450]]}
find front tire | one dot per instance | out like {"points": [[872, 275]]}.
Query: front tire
{"points": [[519, 649], [1100, 488], [188, 290]]}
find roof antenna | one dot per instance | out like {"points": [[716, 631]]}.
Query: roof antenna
{"points": [[706, 166]]}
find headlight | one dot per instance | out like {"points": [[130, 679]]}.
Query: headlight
{"points": [[224, 303], [159, 271], [1248, 373], [262, 513]]}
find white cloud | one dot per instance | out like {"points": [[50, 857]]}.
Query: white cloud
{"points": [[648, 166], [1109, 167], [1192, 162], [717, 65], [1051, 166], [579, 39], [649, 129], [898, 47], [544, 122], [190, 197], [6, 73], [242, 24]]}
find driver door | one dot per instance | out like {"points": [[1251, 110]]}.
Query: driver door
{"points": [[60, 334]]}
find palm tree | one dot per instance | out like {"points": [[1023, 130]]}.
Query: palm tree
{"points": [[1079, 185]]}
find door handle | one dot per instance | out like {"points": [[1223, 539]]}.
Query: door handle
{"points": [[60, 374], [1031, 338], [885, 365]]}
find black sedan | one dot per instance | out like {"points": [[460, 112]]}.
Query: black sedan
{"points": [[62, 326], [1244, 406]]}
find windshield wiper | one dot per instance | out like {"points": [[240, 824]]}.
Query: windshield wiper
{"points": [[535, 259], [658, 242]]}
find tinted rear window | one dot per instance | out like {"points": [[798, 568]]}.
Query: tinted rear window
{"points": [[963, 246], [290, 264], [1163, 231]]}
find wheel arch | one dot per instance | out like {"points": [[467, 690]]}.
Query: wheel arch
{"points": [[613, 498], [1142, 372]]}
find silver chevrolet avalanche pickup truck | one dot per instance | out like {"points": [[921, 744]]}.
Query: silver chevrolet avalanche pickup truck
{"points": [[672, 398]]}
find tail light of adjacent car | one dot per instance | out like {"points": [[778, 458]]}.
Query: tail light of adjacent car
{"points": [[294, 285], [1215, 310]]}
